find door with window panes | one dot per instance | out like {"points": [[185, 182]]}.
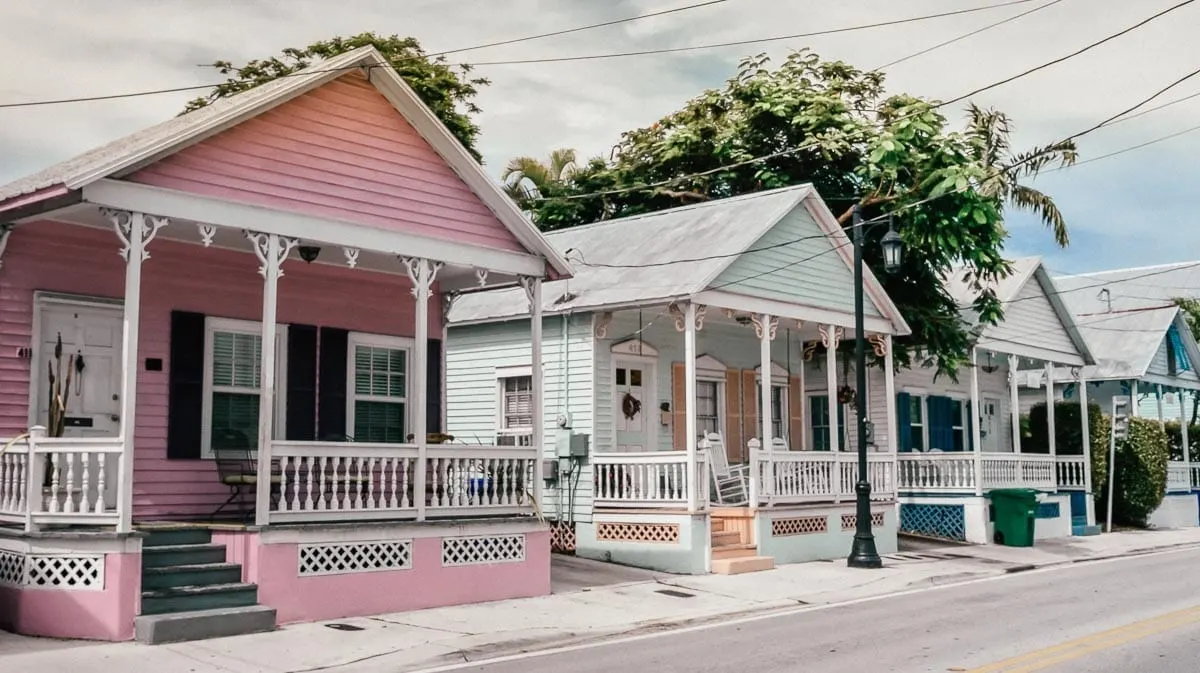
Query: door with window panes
{"points": [[633, 401]]}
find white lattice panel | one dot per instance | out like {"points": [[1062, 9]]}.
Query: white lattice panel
{"points": [[850, 521], [613, 531], [12, 568], [562, 537], [354, 557], [483, 549], [799, 525], [65, 572]]}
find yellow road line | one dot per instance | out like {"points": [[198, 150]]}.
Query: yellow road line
{"points": [[1080, 647]]}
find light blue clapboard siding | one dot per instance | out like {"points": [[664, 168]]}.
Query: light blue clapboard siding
{"points": [[804, 267], [1158, 365], [473, 355], [923, 381], [1030, 320]]}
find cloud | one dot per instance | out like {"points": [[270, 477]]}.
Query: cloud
{"points": [[66, 48]]}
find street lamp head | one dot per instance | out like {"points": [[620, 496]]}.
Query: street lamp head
{"points": [[892, 250]]}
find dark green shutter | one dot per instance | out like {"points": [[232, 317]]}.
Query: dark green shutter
{"points": [[969, 439], [185, 387], [331, 394], [904, 422], [301, 422], [433, 388]]}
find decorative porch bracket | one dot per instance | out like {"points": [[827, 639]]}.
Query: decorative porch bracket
{"points": [[135, 231], [422, 273], [271, 250]]}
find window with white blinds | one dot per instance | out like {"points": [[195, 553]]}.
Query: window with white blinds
{"points": [[378, 405], [516, 410], [232, 378]]}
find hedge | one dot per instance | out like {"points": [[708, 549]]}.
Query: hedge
{"points": [[1175, 440], [1068, 436], [1140, 475]]}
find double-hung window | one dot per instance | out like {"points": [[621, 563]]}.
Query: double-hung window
{"points": [[819, 423], [708, 407], [232, 379], [515, 404], [377, 406], [779, 405]]}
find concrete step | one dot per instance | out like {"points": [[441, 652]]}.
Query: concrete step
{"points": [[745, 564], [171, 537], [202, 574], [721, 538], [191, 598], [734, 551], [1085, 530], [182, 554], [199, 624]]}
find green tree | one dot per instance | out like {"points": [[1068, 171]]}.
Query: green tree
{"points": [[1191, 313], [526, 177], [448, 89], [831, 125]]}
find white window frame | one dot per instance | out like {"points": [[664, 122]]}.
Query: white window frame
{"points": [[810, 420], [721, 405], [784, 408], [212, 325], [502, 375], [407, 344]]}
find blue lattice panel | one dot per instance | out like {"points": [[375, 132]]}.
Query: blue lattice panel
{"points": [[944, 521], [1048, 510]]}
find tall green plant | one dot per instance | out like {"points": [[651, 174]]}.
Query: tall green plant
{"points": [[1068, 436], [1140, 476]]}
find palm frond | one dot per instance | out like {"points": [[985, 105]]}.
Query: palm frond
{"points": [[562, 164], [1031, 200]]}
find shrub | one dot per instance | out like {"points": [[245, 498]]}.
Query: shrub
{"points": [[1140, 475], [1068, 436], [1175, 440]]}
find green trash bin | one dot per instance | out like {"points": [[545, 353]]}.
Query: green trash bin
{"points": [[1014, 512]]}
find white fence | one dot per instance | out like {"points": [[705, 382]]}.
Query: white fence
{"points": [[956, 472], [330, 481], [653, 479], [57, 480], [794, 477]]}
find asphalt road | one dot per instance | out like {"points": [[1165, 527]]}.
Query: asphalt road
{"points": [[1139, 614]]}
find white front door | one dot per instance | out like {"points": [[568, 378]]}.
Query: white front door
{"points": [[91, 355], [989, 427], [634, 402]]}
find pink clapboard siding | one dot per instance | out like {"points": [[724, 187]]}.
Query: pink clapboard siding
{"points": [[52, 256], [341, 151]]}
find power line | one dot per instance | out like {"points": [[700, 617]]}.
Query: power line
{"points": [[966, 35], [1156, 94], [198, 87], [1155, 108], [1131, 148]]}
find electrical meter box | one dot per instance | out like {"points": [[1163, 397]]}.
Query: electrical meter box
{"points": [[569, 444]]}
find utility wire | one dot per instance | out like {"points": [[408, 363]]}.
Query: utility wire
{"points": [[966, 35], [1156, 94], [198, 87], [1128, 149]]}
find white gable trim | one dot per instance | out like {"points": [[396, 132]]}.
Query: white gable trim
{"points": [[635, 347]]}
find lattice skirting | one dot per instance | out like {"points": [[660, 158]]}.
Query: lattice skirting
{"points": [[354, 557], [562, 537], [75, 572], [944, 521], [850, 521], [621, 531], [799, 525], [482, 550], [1048, 510]]}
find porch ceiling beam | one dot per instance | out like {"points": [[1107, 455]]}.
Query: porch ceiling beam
{"points": [[738, 302], [1031, 352], [179, 205]]}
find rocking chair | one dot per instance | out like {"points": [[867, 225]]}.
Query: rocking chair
{"points": [[729, 481]]}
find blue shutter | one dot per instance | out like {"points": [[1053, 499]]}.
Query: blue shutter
{"points": [[969, 439], [941, 432], [904, 421], [1182, 362], [841, 428]]}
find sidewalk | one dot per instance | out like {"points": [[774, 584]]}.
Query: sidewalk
{"points": [[592, 601]]}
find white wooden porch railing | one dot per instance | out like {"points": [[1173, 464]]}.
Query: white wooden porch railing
{"points": [[330, 481], [1178, 478], [652, 479], [57, 480], [793, 477], [1070, 472], [955, 472]]}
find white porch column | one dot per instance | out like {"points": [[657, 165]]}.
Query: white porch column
{"points": [[1134, 406], [1183, 436], [1158, 397], [1014, 402], [765, 327], [421, 273], [830, 336], [976, 430], [1086, 425], [135, 230], [1051, 437], [805, 410], [271, 250], [689, 399], [889, 388], [533, 292]]}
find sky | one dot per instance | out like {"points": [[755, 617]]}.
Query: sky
{"points": [[1129, 210]]}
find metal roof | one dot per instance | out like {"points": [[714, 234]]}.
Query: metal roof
{"points": [[652, 258], [126, 155]]}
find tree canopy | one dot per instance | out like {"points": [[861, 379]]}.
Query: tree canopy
{"points": [[832, 125], [448, 89]]}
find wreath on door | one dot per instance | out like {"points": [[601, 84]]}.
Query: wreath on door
{"points": [[630, 406]]}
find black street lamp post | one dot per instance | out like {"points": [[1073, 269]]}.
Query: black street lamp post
{"points": [[863, 553]]}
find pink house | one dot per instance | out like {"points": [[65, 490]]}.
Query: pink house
{"points": [[242, 296]]}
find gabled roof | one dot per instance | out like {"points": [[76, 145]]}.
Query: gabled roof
{"points": [[666, 255], [1025, 270], [126, 155], [1124, 329]]}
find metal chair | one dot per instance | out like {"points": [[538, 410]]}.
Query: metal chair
{"points": [[238, 470]]}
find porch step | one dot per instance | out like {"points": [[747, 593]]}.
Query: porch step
{"points": [[745, 564], [171, 537], [182, 554], [721, 538], [202, 574], [734, 551], [199, 624], [192, 598]]}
